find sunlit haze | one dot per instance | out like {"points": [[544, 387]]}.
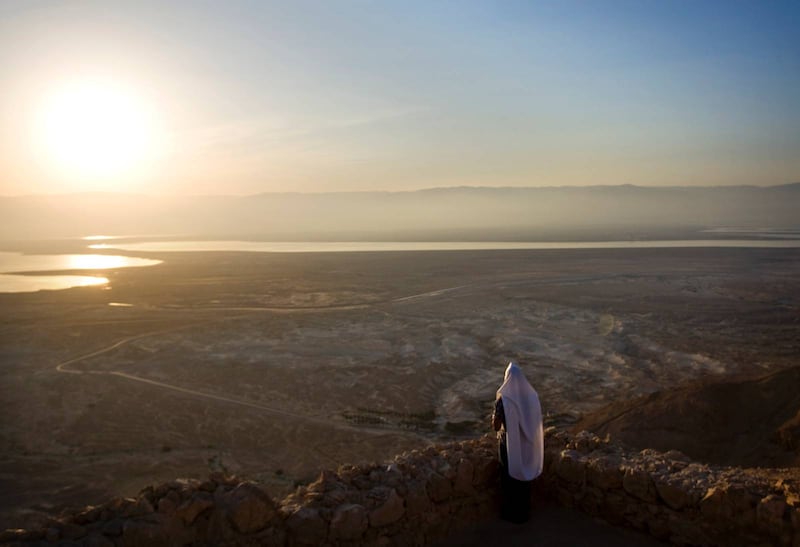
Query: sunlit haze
{"points": [[96, 132], [245, 97]]}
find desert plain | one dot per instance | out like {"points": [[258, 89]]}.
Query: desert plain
{"points": [[273, 366]]}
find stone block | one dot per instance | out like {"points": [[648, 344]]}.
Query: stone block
{"points": [[439, 487], [571, 467], [144, 534], [486, 472], [770, 514], [463, 480], [639, 484], [417, 501], [675, 495], [130, 507], [349, 522], [13, 535], [604, 473], [249, 508], [390, 511], [97, 541], [306, 527], [272, 536], [724, 502], [113, 527], [191, 508], [166, 506]]}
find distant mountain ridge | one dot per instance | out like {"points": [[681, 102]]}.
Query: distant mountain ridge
{"points": [[585, 212]]}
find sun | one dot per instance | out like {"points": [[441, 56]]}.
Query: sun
{"points": [[96, 131]]}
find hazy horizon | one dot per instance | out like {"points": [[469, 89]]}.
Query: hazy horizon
{"points": [[446, 214], [401, 191]]}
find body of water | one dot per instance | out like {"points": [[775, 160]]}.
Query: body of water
{"points": [[13, 264], [377, 246], [33, 283]]}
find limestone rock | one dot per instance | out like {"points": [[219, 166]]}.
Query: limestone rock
{"points": [[585, 442], [52, 534], [639, 484], [439, 487], [486, 472], [166, 506], [71, 531], [676, 496], [349, 521], [273, 536], [603, 473], [712, 504], [326, 482], [417, 501], [191, 508], [249, 508], [136, 507], [11, 535], [770, 512], [217, 527], [306, 527], [144, 534], [391, 511], [88, 515], [113, 528], [97, 541], [463, 481], [726, 502], [571, 467], [335, 498], [446, 470]]}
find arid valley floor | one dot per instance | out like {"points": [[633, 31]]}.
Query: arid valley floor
{"points": [[273, 366]]}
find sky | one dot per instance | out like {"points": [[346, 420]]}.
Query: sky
{"points": [[243, 97]]}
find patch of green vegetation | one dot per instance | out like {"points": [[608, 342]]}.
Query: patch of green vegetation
{"points": [[364, 419], [390, 418]]}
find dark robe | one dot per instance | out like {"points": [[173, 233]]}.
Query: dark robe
{"points": [[515, 494]]}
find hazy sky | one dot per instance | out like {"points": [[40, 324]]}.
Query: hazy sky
{"points": [[246, 97]]}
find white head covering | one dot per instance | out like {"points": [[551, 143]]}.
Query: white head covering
{"points": [[524, 431]]}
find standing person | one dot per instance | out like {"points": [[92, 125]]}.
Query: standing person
{"points": [[518, 420]]}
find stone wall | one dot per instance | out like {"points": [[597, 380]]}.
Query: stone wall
{"points": [[415, 499], [422, 496], [670, 497]]}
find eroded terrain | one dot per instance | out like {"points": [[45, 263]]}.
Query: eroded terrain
{"points": [[273, 366]]}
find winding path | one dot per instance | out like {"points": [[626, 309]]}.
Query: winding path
{"points": [[63, 366], [327, 422]]}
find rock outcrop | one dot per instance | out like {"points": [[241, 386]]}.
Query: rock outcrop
{"points": [[423, 495], [741, 422]]}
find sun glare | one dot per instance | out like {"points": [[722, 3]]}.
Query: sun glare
{"points": [[96, 131], [96, 262]]}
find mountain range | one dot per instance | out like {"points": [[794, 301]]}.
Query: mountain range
{"points": [[456, 213]]}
